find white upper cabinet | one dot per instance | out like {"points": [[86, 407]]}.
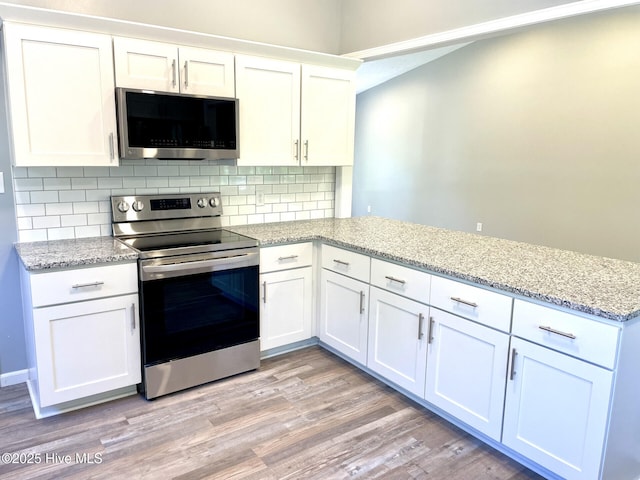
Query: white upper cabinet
{"points": [[166, 67], [327, 116], [60, 96], [294, 115], [269, 95]]}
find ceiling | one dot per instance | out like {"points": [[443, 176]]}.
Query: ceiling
{"points": [[389, 61]]}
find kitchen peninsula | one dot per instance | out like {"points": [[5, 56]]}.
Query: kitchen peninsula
{"points": [[532, 349]]}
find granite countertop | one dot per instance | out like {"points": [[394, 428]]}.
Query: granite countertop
{"points": [[599, 286], [37, 256], [604, 287]]}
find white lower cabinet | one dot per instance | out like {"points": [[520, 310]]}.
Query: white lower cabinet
{"points": [[466, 371], [83, 335], [286, 309], [86, 348], [397, 341], [343, 314], [556, 410]]}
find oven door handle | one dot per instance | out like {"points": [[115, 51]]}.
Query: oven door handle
{"points": [[223, 263]]}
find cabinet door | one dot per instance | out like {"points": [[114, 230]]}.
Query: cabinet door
{"points": [[206, 72], [556, 410], [328, 116], [86, 348], [61, 96], [286, 308], [397, 344], [343, 315], [269, 95], [146, 65], [466, 371]]}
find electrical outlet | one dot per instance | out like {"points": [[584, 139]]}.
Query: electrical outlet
{"points": [[479, 227], [368, 208], [259, 198], [1, 182]]}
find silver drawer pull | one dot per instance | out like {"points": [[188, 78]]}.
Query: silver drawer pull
{"points": [[361, 301], [290, 257], [514, 353], [340, 262], [420, 320], [394, 279], [557, 332], [87, 285], [464, 302]]}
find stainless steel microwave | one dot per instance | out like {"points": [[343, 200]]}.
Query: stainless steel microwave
{"points": [[175, 126]]}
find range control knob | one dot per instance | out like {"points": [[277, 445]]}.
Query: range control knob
{"points": [[137, 205], [213, 201], [123, 206], [202, 202]]}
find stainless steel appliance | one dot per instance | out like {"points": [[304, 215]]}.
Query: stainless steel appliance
{"points": [[176, 126], [198, 287]]}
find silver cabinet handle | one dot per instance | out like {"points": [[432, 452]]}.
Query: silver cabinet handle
{"points": [[296, 147], [173, 72], [557, 332], [361, 301], [394, 279], [420, 319], [306, 150], [464, 302], [430, 331], [133, 316], [513, 364], [112, 149], [264, 286], [186, 73], [87, 285], [340, 262], [290, 257]]}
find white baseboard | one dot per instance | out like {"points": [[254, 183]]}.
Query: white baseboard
{"points": [[13, 378]]}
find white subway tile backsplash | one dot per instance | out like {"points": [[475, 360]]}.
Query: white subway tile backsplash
{"points": [[60, 233], [27, 184], [59, 208], [74, 202], [31, 210], [72, 196], [46, 222], [56, 183], [46, 196], [73, 220]]}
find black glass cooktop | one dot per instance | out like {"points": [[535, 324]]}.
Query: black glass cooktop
{"points": [[185, 242]]}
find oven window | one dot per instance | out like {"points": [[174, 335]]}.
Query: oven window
{"points": [[193, 314]]}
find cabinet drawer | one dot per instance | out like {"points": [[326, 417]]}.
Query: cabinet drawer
{"points": [[402, 280], [346, 262], [78, 284], [578, 336], [489, 308], [284, 257]]}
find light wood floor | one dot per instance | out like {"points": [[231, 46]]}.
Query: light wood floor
{"points": [[303, 415]]}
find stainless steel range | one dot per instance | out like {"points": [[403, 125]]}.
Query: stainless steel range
{"points": [[198, 287]]}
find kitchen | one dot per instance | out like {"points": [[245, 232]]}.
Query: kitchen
{"points": [[319, 180]]}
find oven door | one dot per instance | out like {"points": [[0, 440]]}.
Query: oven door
{"points": [[193, 304]]}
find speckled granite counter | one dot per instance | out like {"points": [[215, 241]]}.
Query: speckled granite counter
{"points": [[599, 286], [73, 253]]}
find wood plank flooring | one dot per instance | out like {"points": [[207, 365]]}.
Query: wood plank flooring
{"points": [[302, 415]]}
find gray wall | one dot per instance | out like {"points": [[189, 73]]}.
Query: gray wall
{"points": [[372, 23], [12, 346], [309, 24], [534, 134], [330, 26]]}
